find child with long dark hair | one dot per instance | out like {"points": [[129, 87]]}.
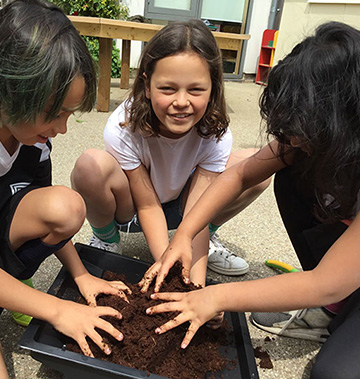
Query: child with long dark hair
{"points": [[46, 74], [311, 106], [164, 146]]}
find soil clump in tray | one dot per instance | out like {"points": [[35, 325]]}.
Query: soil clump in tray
{"points": [[143, 349]]}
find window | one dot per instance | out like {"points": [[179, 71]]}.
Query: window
{"points": [[230, 17], [335, 1], [231, 10], [172, 10]]}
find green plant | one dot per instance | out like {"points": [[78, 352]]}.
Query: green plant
{"points": [[93, 46], [94, 8], [113, 9]]}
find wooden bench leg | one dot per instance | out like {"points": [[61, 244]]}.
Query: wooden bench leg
{"points": [[105, 54], [125, 64]]}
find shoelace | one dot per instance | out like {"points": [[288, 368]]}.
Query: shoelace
{"points": [[219, 247], [97, 242], [299, 315]]}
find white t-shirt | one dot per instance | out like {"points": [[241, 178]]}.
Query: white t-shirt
{"points": [[7, 160], [169, 162]]}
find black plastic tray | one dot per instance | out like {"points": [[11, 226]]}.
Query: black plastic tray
{"points": [[47, 345]]}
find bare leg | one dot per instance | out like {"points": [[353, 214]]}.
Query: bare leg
{"points": [[245, 198], [3, 371], [61, 215], [104, 186]]}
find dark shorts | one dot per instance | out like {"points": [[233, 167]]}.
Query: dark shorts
{"points": [[22, 263], [173, 214]]}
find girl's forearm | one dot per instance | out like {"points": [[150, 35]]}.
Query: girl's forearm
{"points": [[19, 297], [230, 185], [70, 259], [278, 293], [153, 223], [226, 188]]}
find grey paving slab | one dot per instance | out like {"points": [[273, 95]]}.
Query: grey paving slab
{"points": [[256, 234]]}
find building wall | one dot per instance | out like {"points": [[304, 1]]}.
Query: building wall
{"points": [[136, 7], [300, 19], [258, 23]]}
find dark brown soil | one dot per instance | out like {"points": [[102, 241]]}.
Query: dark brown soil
{"points": [[161, 354], [265, 361]]}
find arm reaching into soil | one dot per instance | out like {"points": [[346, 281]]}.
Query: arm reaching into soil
{"points": [[329, 282], [225, 189], [74, 320], [89, 286], [194, 250], [150, 213]]}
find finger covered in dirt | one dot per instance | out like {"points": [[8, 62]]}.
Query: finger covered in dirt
{"points": [[148, 277]]}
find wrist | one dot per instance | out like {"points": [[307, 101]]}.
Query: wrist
{"points": [[218, 297], [184, 233], [79, 279], [52, 311]]}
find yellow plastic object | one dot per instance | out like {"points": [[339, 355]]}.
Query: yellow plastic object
{"points": [[280, 265]]}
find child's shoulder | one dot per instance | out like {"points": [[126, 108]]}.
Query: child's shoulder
{"points": [[224, 140], [117, 132]]}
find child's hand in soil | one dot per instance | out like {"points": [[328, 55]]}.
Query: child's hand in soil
{"points": [[197, 307], [90, 287], [79, 321], [176, 251]]}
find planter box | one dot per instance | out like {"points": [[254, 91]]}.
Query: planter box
{"points": [[47, 345]]}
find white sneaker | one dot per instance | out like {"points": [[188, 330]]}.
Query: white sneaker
{"points": [[223, 261], [97, 242]]}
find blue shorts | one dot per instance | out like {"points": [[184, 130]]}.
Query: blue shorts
{"points": [[22, 263]]}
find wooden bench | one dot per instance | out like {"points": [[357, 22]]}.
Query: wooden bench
{"points": [[107, 30]]}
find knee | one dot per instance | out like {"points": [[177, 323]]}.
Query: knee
{"points": [[330, 366], [90, 170], [65, 210], [326, 371]]}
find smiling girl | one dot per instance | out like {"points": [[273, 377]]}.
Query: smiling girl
{"points": [[164, 146], [311, 107]]}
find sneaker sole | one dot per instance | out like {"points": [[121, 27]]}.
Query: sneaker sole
{"points": [[223, 271], [315, 334]]}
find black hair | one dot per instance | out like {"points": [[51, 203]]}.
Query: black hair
{"points": [[314, 94], [40, 54]]}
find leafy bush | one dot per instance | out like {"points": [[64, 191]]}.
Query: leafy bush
{"points": [[93, 45], [94, 8], [97, 8]]}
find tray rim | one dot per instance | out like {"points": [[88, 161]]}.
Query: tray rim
{"points": [[28, 341]]}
